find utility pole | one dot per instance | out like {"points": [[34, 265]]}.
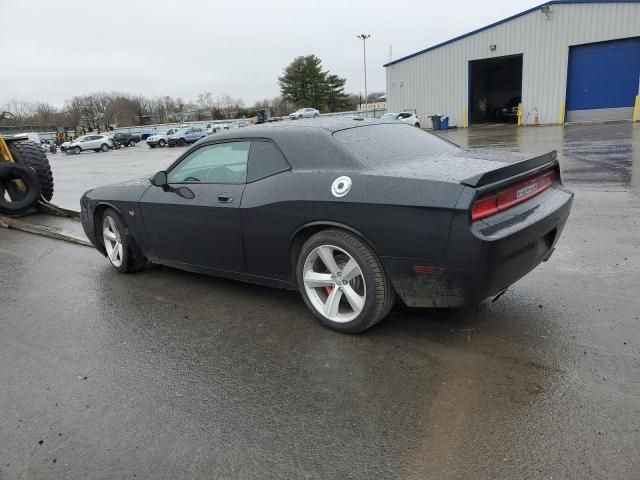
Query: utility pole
{"points": [[364, 37]]}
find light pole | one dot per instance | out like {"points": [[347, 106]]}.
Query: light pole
{"points": [[364, 37]]}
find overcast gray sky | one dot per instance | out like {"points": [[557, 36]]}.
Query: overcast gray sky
{"points": [[54, 50]]}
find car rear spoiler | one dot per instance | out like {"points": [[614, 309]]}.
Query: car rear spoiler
{"points": [[512, 172]]}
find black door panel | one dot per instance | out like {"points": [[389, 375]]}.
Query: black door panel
{"points": [[189, 224]]}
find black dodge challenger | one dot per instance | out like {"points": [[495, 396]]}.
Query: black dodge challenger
{"points": [[350, 212]]}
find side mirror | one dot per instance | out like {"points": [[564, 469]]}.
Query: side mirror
{"points": [[160, 179]]}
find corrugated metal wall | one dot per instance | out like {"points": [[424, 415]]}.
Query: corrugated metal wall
{"points": [[437, 81]]}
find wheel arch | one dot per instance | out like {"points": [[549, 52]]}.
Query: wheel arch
{"points": [[306, 231]]}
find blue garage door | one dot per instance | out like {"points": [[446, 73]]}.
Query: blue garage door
{"points": [[603, 80]]}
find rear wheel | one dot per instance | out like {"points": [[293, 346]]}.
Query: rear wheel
{"points": [[119, 245], [342, 281], [28, 154]]}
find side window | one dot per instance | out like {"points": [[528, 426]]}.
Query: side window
{"points": [[219, 163], [265, 159]]}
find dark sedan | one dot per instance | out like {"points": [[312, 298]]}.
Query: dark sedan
{"points": [[350, 212]]}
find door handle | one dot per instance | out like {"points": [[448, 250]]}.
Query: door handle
{"points": [[225, 198]]}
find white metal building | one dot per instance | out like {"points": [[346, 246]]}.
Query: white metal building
{"points": [[563, 61]]}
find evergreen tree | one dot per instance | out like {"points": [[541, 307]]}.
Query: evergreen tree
{"points": [[304, 82], [336, 98]]}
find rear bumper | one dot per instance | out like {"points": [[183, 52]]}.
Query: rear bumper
{"points": [[485, 257]]}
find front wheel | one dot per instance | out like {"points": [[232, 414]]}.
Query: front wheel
{"points": [[342, 281], [119, 245], [77, 150], [162, 143], [417, 124], [104, 147], [132, 143]]}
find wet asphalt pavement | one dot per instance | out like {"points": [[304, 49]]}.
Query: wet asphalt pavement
{"points": [[167, 374]]}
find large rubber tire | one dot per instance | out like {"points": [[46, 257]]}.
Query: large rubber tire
{"points": [[19, 202], [132, 258], [132, 143], [30, 155], [380, 293], [162, 143], [104, 147]]}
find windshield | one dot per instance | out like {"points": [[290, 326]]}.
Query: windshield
{"points": [[388, 144]]}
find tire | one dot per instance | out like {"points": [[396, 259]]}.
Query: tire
{"points": [[121, 250], [417, 124], [132, 143], [181, 142], [104, 147], [162, 143], [375, 294], [77, 150], [28, 154], [18, 201], [315, 115]]}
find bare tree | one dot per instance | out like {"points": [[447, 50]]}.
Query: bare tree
{"points": [[21, 110]]}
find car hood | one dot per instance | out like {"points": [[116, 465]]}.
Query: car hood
{"points": [[128, 191], [453, 168]]}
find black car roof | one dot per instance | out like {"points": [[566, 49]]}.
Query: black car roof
{"points": [[307, 144], [286, 127]]}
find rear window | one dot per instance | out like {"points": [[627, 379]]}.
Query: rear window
{"points": [[378, 145]]}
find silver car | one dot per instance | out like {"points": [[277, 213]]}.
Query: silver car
{"points": [[97, 143], [304, 113]]}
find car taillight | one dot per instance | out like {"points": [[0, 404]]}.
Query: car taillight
{"points": [[503, 199]]}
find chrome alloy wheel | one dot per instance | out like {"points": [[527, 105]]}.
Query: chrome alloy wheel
{"points": [[112, 241], [334, 283]]}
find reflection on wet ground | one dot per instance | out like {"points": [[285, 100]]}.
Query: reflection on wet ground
{"points": [[595, 154]]}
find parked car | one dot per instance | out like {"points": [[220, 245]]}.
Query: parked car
{"points": [[184, 136], [404, 117], [350, 212], [126, 139], [304, 113], [160, 139], [144, 134], [97, 143]]}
